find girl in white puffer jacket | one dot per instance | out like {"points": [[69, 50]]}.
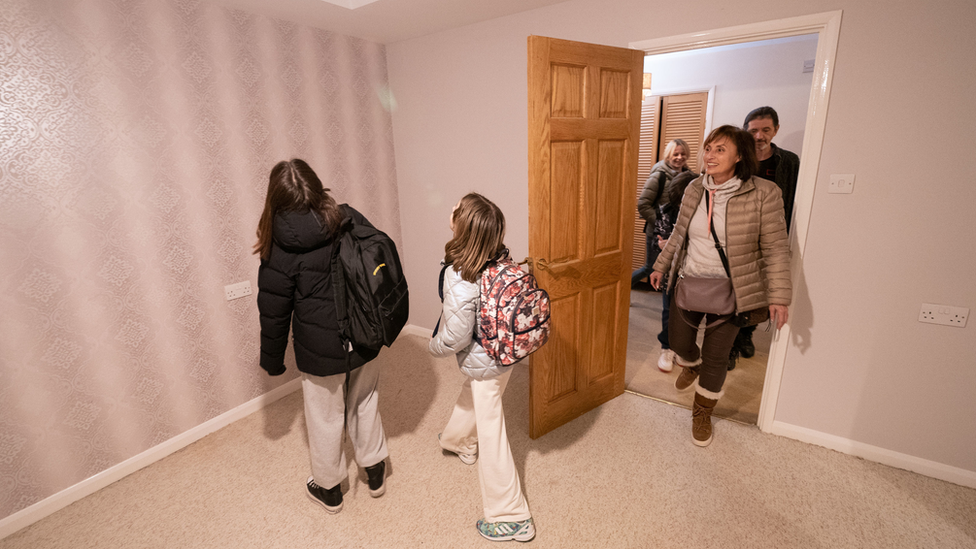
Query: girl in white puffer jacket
{"points": [[476, 430]]}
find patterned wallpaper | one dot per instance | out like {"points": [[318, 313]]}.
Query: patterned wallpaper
{"points": [[135, 145]]}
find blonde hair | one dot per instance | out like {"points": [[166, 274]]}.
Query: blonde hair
{"points": [[675, 143], [479, 233]]}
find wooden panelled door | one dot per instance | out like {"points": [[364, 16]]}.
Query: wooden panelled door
{"points": [[584, 126]]}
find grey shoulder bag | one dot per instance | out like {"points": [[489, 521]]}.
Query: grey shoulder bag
{"points": [[707, 295]]}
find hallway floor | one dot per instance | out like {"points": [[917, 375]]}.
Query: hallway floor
{"points": [[743, 387]]}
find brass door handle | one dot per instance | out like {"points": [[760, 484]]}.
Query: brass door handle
{"points": [[541, 263]]}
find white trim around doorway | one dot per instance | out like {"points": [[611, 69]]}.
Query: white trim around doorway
{"points": [[827, 26]]}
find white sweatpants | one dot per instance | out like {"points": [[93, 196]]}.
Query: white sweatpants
{"points": [[325, 407], [477, 426]]}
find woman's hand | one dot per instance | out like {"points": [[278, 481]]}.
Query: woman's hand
{"points": [[656, 279], [778, 314], [661, 242]]}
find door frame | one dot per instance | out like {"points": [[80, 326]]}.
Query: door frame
{"points": [[827, 26]]}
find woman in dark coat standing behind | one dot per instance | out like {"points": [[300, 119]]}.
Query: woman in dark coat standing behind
{"points": [[295, 237]]}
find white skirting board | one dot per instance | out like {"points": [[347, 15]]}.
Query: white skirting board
{"points": [[413, 329], [64, 498], [883, 456]]}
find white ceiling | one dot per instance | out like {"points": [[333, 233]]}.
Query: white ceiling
{"points": [[387, 21]]}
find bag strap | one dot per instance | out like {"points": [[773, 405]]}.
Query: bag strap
{"points": [[718, 246], [339, 282], [341, 301], [440, 293], [725, 263], [440, 282], [660, 191]]}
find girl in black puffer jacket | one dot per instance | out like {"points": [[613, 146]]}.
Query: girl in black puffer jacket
{"points": [[295, 238]]}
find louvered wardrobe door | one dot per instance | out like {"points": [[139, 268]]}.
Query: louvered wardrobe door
{"points": [[683, 116], [650, 112]]}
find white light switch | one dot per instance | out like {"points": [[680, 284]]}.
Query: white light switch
{"points": [[841, 183]]}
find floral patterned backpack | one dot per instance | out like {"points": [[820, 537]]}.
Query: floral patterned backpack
{"points": [[514, 318]]}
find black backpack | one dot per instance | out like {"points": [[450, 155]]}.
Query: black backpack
{"points": [[372, 302]]}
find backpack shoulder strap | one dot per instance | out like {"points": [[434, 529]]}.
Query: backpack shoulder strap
{"points": [[440, 293], [660, 191], [339, 284], [440, 282]]}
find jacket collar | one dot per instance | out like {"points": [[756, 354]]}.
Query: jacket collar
{"points": [[748, 185]]}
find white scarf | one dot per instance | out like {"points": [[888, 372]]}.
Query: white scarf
{"points": [[702, 258], [723, 191]]}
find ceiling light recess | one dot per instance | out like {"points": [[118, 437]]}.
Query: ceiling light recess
{"points": [[350, 4]]}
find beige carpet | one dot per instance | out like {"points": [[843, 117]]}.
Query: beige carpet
{"points": [[743, 386], [624, 475]]}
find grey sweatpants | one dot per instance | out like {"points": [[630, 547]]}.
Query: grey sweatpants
{"points": [[326, 404]]}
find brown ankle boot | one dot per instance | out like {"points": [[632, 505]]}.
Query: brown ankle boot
{"points": [[686, 378], [701, 420]]}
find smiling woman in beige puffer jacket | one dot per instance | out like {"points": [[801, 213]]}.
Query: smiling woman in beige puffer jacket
{"points": [[747, 214]]}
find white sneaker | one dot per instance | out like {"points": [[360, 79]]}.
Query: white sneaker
{"points": [[666, 362], [467, 459]]}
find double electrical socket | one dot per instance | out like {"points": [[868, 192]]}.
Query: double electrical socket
{"points": [[239, 290], [943, 314]]}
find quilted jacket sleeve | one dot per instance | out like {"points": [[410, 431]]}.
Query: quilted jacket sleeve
{"points": [[774, 243], [458, 316], [275, 305], [648, 196]]}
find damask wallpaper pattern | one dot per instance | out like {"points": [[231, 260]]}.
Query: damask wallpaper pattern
{"points": [[135, 145]]}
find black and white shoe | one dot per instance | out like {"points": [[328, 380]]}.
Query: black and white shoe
{"points": [[330, 498], [375, 477]]}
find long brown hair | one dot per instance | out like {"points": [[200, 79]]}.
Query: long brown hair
{"points": [[479, 233], [293, 186]]}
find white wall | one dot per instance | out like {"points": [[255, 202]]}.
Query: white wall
{"points": [[745, 76], [860, 367]]}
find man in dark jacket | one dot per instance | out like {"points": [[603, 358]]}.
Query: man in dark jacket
{"points": [[779, 166], [775, 164]]}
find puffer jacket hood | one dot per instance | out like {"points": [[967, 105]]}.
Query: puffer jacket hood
{"points": [[300, 232]]}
